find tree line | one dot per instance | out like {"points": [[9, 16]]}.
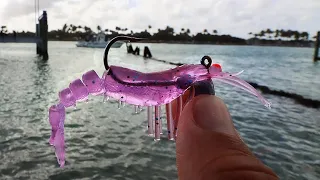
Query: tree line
{"points": [[168, 34], [280, 34]]}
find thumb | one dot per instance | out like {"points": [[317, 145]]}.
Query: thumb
{"points": [[209, 147]]}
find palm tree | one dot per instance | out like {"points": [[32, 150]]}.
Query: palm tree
{"points": [[124, 30], [64, 28], [118, 29], [74, 29], [79, 28], [277, 32], [269, 31], [290, 34], [99, 28], [106, 31], [296, 35], [188, 31], [182, 31], [205, 31], [4, 29], [87, 29], [215, 31], [169, 30], [282, 33], [262, 33], [305, 35]]}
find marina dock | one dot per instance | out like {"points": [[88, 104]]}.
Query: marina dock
{"points": [[40, 37]]}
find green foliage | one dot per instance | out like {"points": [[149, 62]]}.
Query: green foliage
{"points": [[281, 34], [168, 34]]}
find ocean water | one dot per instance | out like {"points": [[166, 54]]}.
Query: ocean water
{"points": [[104, 142]]}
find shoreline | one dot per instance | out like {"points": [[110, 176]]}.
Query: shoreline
{"points": [[223, 44], [273, 44]]}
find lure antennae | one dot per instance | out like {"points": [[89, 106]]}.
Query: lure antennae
{"points": [[112, 41], [203, 61], [237, 74]]}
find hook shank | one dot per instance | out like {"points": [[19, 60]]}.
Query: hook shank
{"points": [[112, 41]]}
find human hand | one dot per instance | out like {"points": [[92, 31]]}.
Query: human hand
{"points": [[208, 146]]}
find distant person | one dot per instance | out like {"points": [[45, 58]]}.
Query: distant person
{"points": [[208, 146]]}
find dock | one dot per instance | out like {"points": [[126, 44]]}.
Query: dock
{"points": [[316, 56], [42, 36]]}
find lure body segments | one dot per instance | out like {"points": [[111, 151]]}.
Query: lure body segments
{"points": [[151, 90]]}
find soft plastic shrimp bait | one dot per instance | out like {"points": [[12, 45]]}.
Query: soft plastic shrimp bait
{"points": [[138, 89]]}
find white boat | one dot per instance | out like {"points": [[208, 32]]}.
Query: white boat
{"points": [[98, 41]]}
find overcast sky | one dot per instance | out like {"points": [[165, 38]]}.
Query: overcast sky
{"points": [[234, 17]]}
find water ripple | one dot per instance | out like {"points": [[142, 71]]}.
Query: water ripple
{"points": [[104, 142]]}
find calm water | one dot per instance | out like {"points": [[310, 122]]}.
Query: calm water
{"points": [[104, 142]]}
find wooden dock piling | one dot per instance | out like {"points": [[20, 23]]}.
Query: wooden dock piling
{"points": [[42, 36], [37, 38], [147, 52], [316, 56]]}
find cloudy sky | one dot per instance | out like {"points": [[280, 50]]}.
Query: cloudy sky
{"points": [[234, 17]]}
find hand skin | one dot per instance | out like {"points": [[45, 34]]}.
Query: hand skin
{"points": [[208, 145]]}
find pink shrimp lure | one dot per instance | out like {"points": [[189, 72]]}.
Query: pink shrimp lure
{"points": [[138, 89]]}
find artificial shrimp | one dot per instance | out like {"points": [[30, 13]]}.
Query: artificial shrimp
{"points": [[138, 89]]}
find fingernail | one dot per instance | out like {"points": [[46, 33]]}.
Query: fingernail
{"points": [[210, 113], [204, 87]]}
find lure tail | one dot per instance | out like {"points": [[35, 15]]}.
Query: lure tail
{"points": [[57, 118], [59, 144], [78, 91]]}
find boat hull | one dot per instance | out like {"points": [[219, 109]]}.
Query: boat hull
{"points": [[98, 44]]}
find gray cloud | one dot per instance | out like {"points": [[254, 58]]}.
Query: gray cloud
{"points": [[235, 17], [16, 8]]}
